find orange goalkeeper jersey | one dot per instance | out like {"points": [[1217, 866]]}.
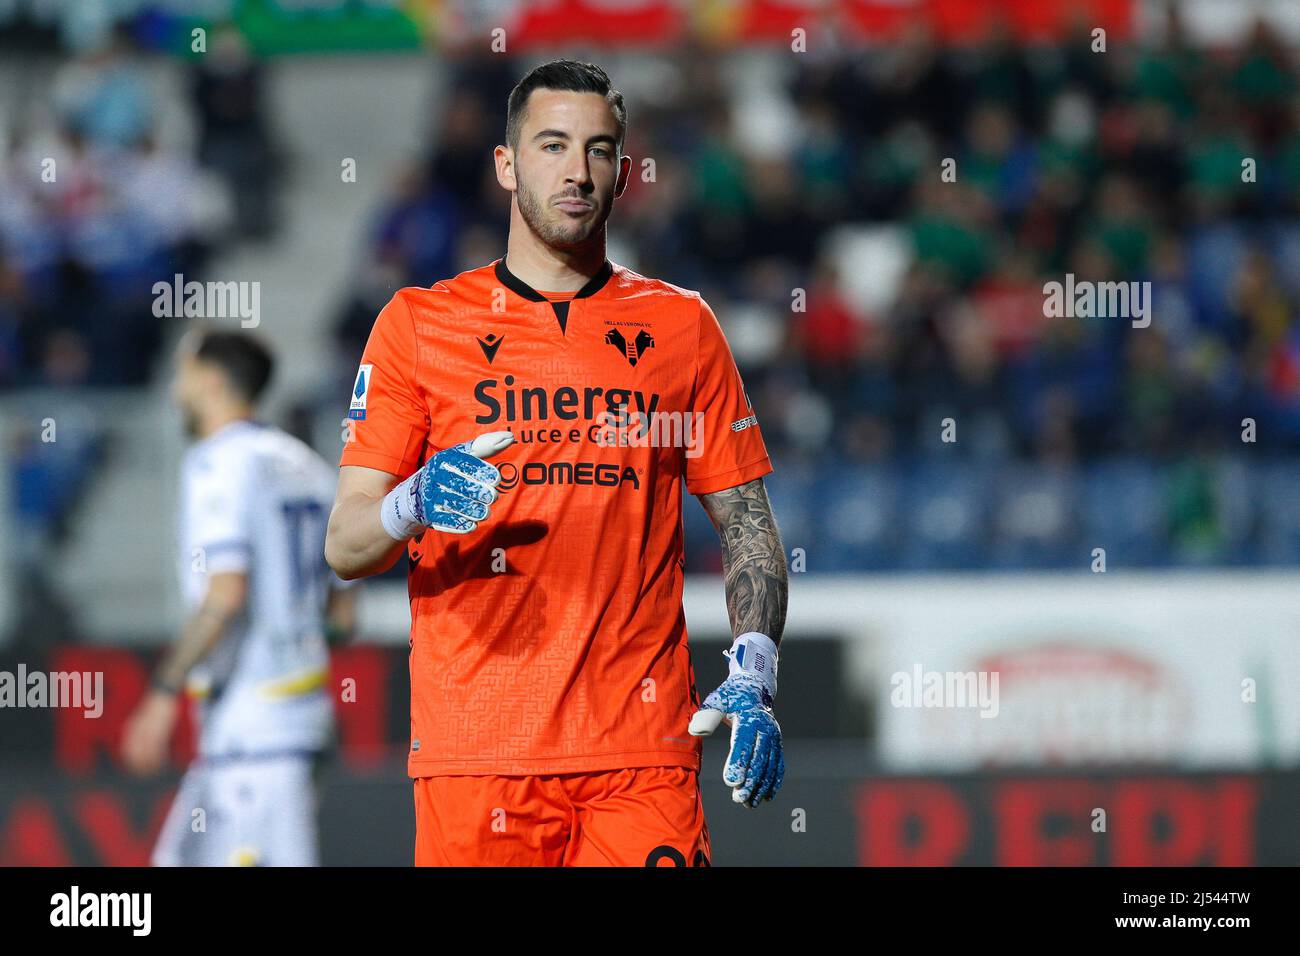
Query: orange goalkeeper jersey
{"points": [[552, 638]]}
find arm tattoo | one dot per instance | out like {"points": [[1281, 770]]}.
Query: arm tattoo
{"points": [[753, 558]]}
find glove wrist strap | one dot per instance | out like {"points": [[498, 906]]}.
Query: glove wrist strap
{"points": [[754, 654], [399, 511]]}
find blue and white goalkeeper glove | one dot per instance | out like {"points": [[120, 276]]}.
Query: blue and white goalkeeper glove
{"points": [[452, 492], [755, 765]]}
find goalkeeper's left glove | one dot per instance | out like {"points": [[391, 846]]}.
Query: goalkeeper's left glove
{"points": [[755, 765]]}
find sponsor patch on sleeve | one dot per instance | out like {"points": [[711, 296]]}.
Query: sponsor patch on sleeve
{"points": [[747, 422], [360, 391]]}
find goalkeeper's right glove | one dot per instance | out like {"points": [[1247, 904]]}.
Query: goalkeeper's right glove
{"points": [[452, 492]]}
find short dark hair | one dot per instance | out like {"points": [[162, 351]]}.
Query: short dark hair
{"points": [[246, 362], [567, 75]]}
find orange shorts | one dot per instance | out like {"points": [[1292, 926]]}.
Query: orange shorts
{"points": [[647, 816]]}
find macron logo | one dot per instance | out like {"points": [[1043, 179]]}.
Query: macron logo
{"points": [[490, 345]]}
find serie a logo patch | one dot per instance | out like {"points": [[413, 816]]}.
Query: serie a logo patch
{"points": [[360, 391]]}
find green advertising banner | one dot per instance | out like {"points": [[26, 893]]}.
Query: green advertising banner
{"points": [[306, 26]]}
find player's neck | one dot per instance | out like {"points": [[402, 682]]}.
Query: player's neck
{"points": [[221, 418], [548, 270]]}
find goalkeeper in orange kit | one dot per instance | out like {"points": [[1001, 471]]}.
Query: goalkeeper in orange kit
{"points": [[522, 431]]}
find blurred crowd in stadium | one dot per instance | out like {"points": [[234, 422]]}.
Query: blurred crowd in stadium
{"points": [[83, 240], [1071, 433]]}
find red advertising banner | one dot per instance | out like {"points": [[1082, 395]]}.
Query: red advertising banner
{"points": [[964, 21], [605, 22], [552, 23]]}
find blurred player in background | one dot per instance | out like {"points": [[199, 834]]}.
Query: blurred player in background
{"points": [[253, 650], [554, 717]]}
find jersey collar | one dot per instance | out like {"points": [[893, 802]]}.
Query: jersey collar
{"points": [[232, 427], [522, 288]]}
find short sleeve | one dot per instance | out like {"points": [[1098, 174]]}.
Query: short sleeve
{"points": [[732, 450], [220, 523], [388, 422]]}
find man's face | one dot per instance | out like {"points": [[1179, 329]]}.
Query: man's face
{"points": [[191, 381], [566, 169]]}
